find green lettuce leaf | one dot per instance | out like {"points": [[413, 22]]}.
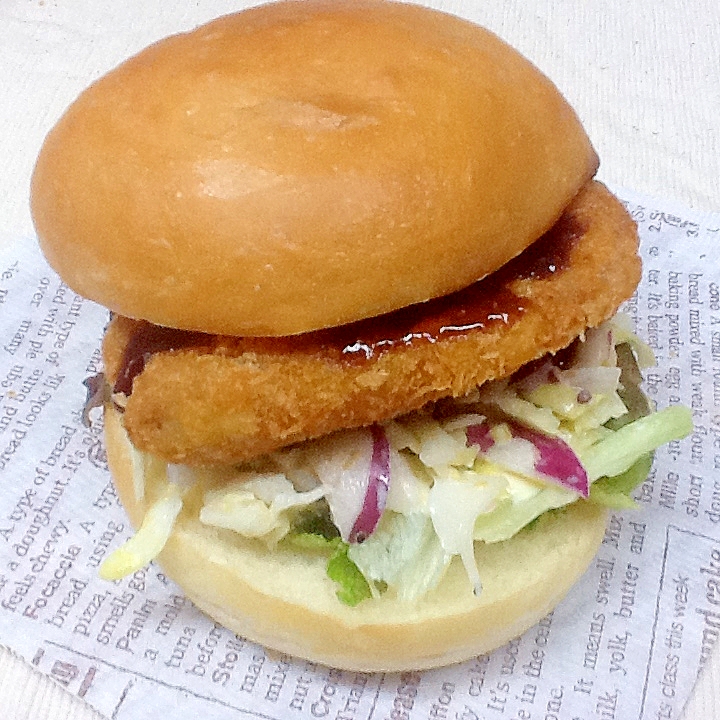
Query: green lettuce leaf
{"points": [[618, 452], [352, 588], [614, 492]]}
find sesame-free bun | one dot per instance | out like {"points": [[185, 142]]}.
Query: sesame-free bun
{"points": [[302, 165], [285, 601]]}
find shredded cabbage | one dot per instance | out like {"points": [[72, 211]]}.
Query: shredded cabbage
{"points": [[618, 452], [404, 553], [145, 545], [511, 517], [410, 486], [473, 473], [455, 504], [623, 332], [256, 506], [137, 464], [341, 463]]}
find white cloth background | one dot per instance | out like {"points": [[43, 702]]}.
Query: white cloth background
{"points": [[644, 77]]}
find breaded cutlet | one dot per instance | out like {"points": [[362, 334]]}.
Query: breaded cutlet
{"points": [[221, 399]]}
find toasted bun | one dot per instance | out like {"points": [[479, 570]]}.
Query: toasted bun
{"points": [[302, 165], [286, 602]]}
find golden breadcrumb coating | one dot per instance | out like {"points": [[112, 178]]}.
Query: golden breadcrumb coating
{"points": [[228, 400]]}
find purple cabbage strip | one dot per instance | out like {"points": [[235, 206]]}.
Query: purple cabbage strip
{"points": [[377, 489], [479, 435], [557, 462]]}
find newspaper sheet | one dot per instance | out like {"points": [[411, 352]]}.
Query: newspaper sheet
{"points": [[628, 641]]}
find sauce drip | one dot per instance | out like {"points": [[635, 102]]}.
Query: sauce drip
{"points": [[481, 306], [484, 305], [146, 340], [551, 253], [476, 308]]}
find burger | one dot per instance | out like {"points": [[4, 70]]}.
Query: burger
{"points": [[366, 396]]}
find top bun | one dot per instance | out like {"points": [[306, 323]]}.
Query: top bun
{"points": [[302, 165]]}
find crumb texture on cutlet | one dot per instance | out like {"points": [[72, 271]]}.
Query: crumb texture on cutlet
{"points": [[234, 400]]}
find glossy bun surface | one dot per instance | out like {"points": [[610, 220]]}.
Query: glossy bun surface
{"points": [[305, 164]]}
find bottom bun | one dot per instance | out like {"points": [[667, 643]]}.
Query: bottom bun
{"points": [[285, 601]]}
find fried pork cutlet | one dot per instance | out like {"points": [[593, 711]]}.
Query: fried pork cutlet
{"points": [[202, 399]]}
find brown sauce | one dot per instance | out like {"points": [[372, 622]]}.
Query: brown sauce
{"points": [[479, 307], [148, 339], [551, 253]]}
